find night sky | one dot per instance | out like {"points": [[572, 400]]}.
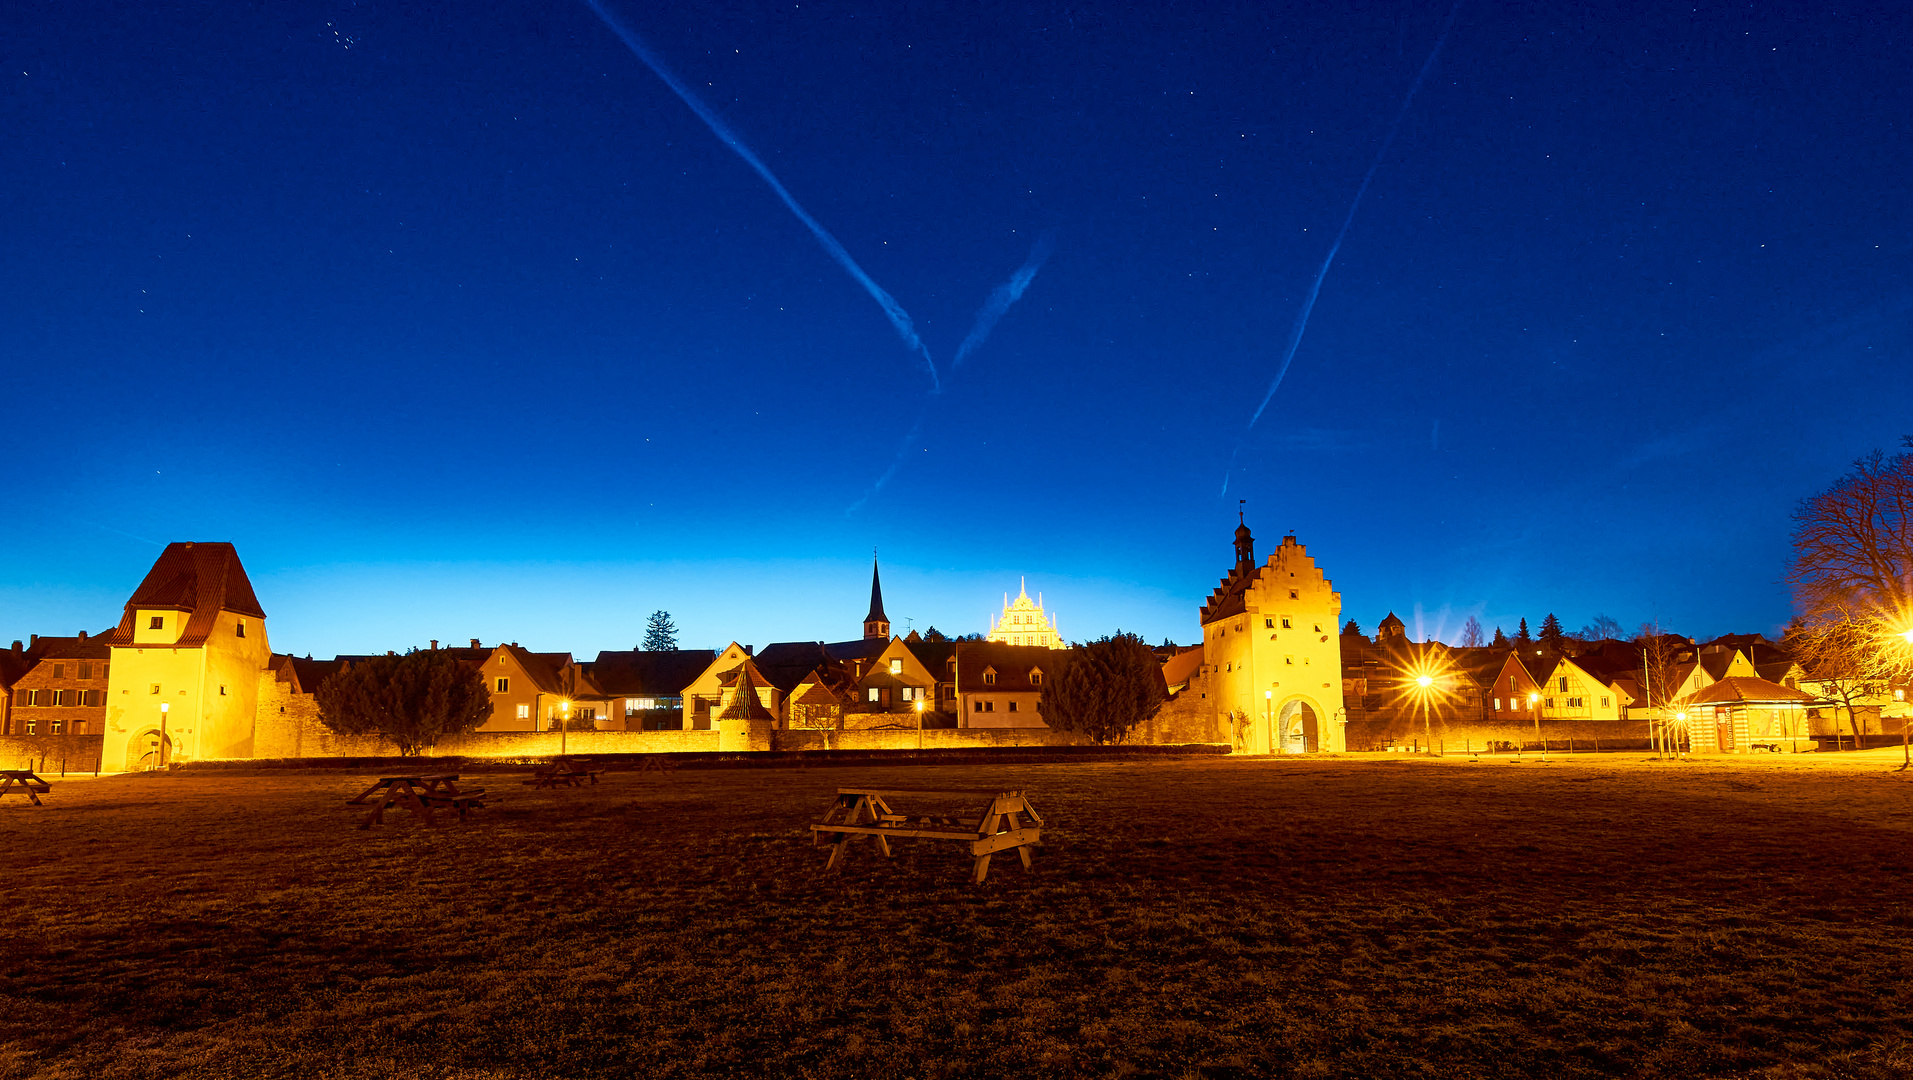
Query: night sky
{"points": [[459, 322]]}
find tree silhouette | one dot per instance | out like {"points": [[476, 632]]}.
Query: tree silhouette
{"points": [[1501, 639], [1352, 628], [412, 700], [1105, 689], [1551, 636], [1471, 633], [1522, 634], [1853, 544], [660, 634]]}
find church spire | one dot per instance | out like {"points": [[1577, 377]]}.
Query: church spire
{"points": [[876, 624]]}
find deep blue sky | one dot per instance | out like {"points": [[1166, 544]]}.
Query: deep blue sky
{"points": [[459, 323]]}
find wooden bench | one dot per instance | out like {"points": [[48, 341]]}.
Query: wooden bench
{"points": [[419, 794], [863, 813], [571, 772], [657, 763], [25, 783]]}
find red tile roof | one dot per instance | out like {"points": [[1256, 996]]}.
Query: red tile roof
{"points": [[201, 578], [1745, 688]]}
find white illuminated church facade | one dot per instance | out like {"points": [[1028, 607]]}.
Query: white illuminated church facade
{"points": [[1023, 622]]}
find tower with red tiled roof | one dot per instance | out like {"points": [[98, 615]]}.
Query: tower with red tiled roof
{"points": [[186, 661]]}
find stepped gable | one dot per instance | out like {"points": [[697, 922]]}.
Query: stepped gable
{"points": [[202, 578]]}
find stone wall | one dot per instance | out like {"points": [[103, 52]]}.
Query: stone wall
{"points": [[49, 754], [1189, 717], [1461, 736], [912, 739]]}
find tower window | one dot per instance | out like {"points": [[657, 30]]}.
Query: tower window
{"points": [[1268, 624], [1293, 595], [239, 628], [1285, 622], [158, 622], [155, 689], [222, 691]]}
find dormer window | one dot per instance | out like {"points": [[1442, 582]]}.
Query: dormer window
{"points": [[1036, 678], [989, 678], [158, 622]]}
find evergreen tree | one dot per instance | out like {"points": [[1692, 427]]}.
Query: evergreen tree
{"points": [[1522, 634], [1501, 639], [411, 700], [1551, 636], [1352, 628], [933, 634], [1105, 689], [660, 635]]}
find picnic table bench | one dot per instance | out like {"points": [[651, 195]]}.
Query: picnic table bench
{"points": [[419, 794], [571, 772], [23, 781], [866, 812]]}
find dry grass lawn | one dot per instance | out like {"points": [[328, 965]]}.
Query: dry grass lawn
{"points": [[1363, 917]]}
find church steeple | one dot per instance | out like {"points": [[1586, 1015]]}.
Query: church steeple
{"points": [[1244, 544], [876, 624]]}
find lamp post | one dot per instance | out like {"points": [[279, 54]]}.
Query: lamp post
{"points": [[1422, 683], [1534, 707], [159, 751], [564, 726], [1680, 718], [1268, 722], [919, 723]]}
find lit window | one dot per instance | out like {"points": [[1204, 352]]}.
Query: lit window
{"points": [[504, 685], [873, 693], [524, 712], [1899, 695], [158, 623], [1497, 704], [896, 667], [54, 727]]}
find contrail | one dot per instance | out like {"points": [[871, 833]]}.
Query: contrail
{"points": [[994, 306], [899, 318], [1308, 305], [1004, 295], [895, 463]]}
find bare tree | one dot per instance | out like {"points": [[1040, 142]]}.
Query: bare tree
{"points": [[1848, 663], [1471, 633], [1853, 544], [1603, 628], [1659, 679]]}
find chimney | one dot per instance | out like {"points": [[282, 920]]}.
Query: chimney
{"points": [[475, 644], [34, 640], [16, 645], [83, 637], [434, 644]]}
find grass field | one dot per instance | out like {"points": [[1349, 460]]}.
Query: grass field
{"points": [[1361, 917]]}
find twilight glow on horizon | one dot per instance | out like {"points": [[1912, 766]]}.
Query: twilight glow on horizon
{"points": [[522, 321]]}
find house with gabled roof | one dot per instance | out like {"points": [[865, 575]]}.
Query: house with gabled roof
{"points": [[998, 686], [1572, 692], [644, 689]]}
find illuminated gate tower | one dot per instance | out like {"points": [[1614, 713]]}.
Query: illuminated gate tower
{"points": [[186, 661], [1273, 650], [1023, 621]]}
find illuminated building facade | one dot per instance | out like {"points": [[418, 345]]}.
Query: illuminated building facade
{"points": [[1272, 652], [1024, 623]]}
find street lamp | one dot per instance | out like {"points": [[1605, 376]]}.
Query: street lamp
{"points": [[564, 725], [159, 751], [1534, 702], [1422, 683], [1268, 720]]}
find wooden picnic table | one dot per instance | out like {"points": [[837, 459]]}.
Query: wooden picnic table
{"points": [[420, 795], [25, 783], [867, 812], [569, 771]]}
